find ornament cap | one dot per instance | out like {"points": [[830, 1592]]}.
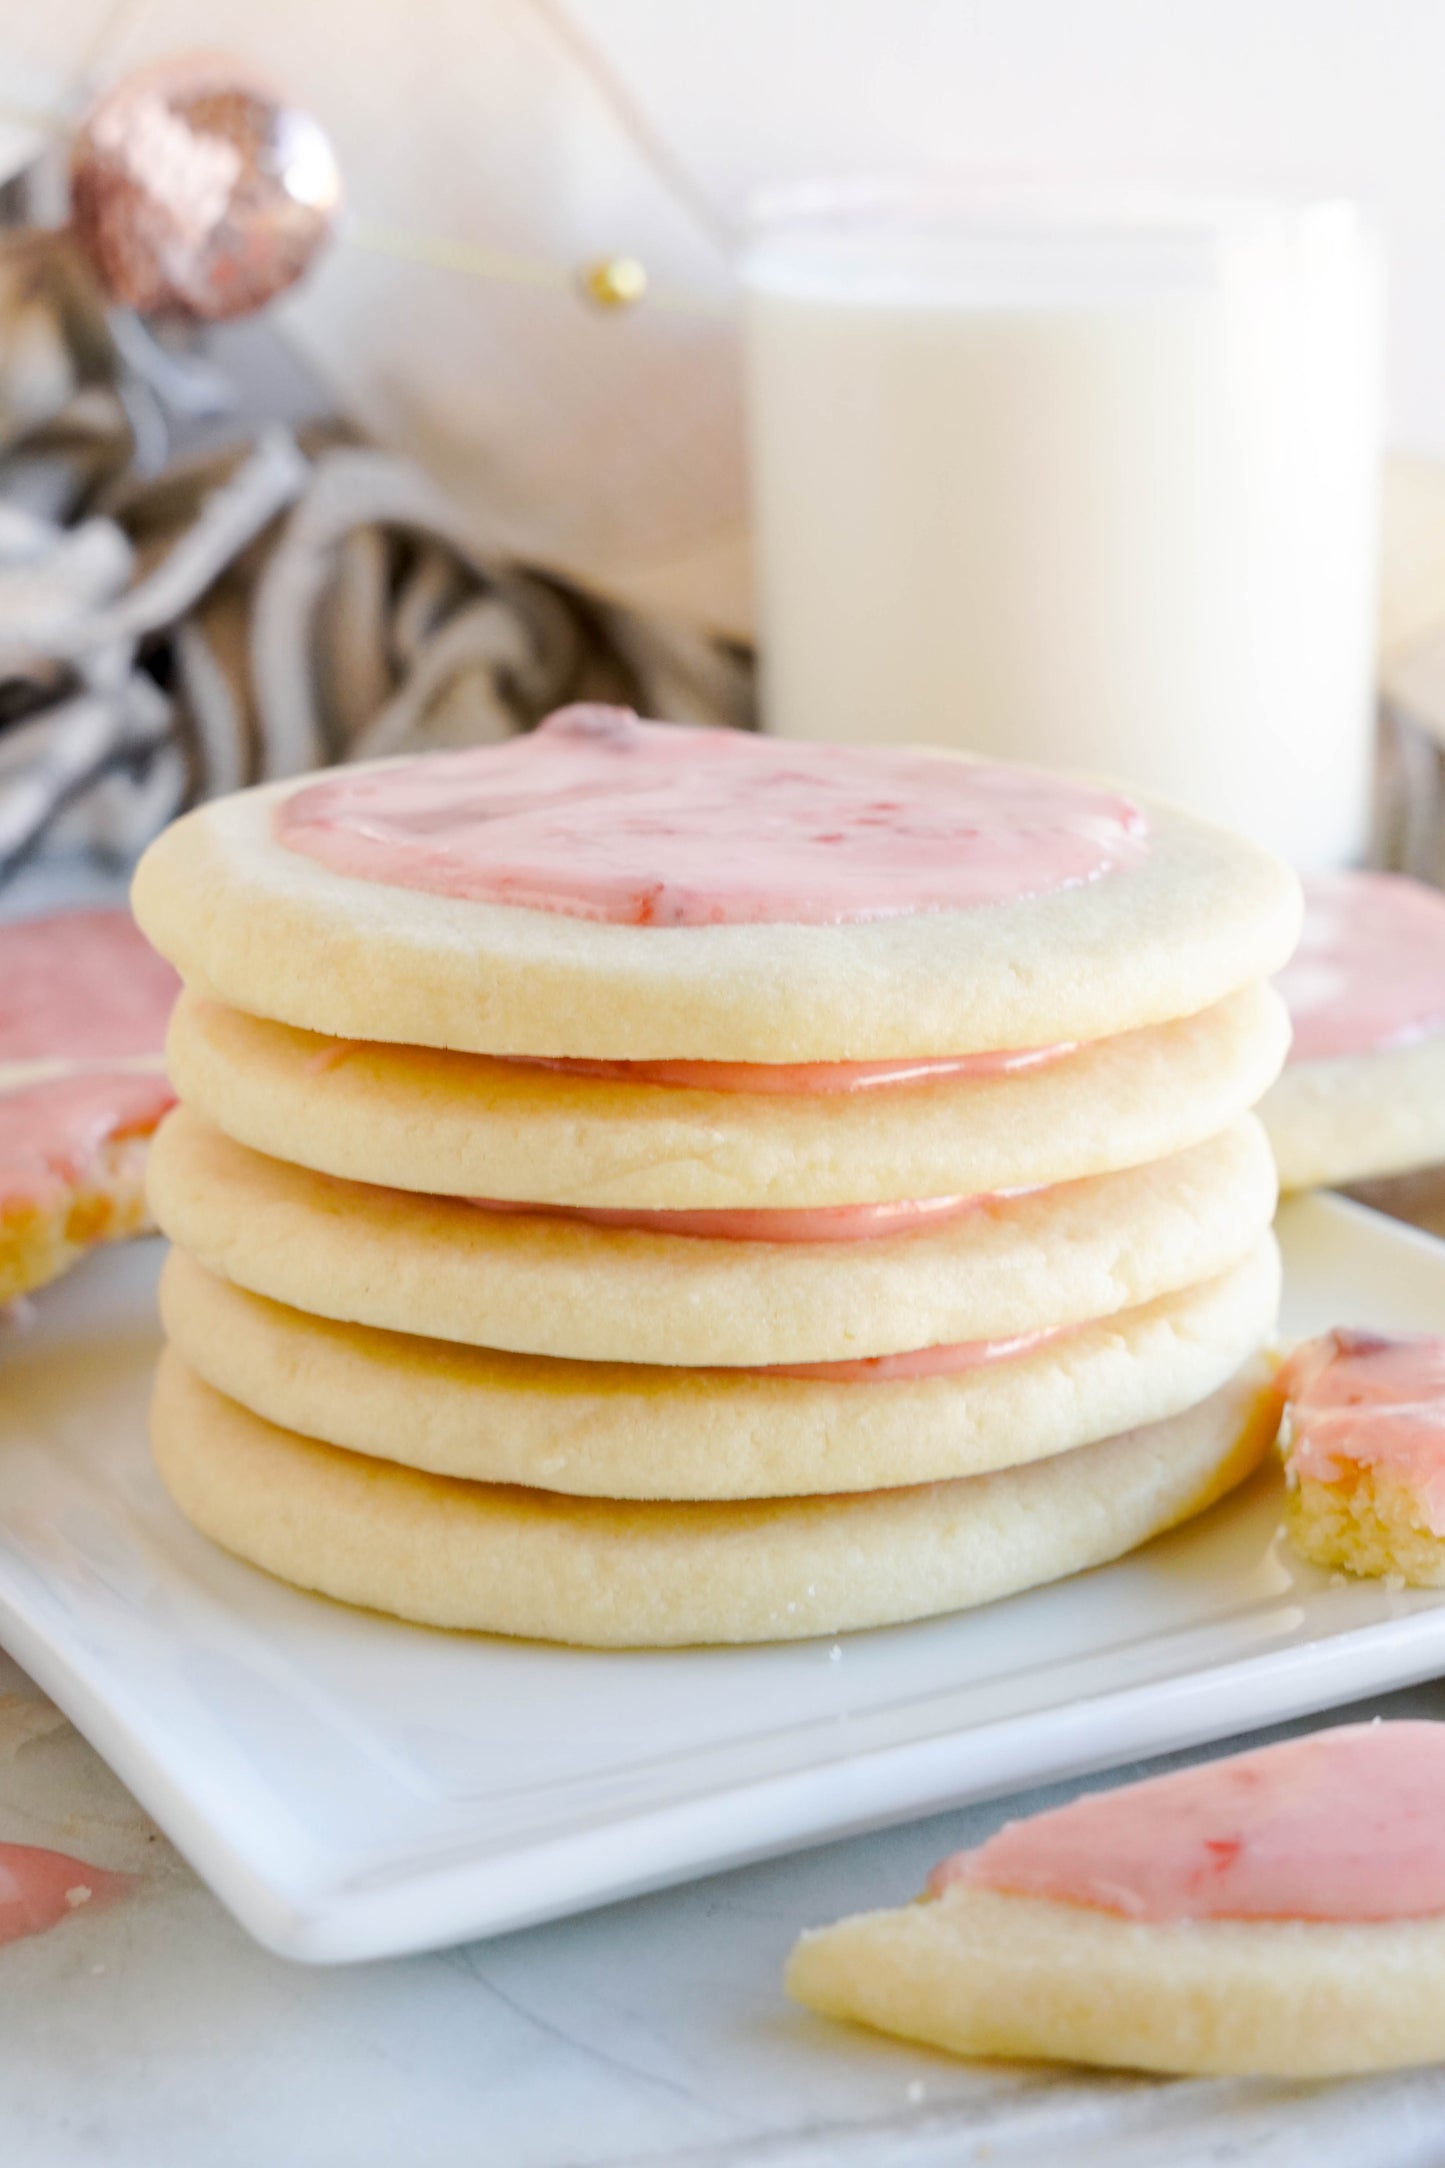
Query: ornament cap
{"points": [[614, 282]]}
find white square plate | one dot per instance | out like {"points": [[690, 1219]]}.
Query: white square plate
{"points": [[355, 1788]]}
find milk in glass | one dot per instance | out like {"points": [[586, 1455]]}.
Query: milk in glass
{"points": [[1089, 491]]}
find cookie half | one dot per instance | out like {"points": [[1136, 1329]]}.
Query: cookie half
{"points": [[83, 1008], [983, 1973], [1279, 1910], [53, 1212]]}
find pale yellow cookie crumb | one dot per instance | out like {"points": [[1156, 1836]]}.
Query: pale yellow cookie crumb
{"points": [[1370, 1523]]}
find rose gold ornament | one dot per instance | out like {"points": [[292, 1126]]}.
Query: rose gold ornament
{"points": [[197, 190]]}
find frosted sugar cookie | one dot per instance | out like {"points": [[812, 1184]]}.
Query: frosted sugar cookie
{"points": [[83, 1008], [606, 888], [548, 1283], [1280, 1912], [467, 1125], [626, 1430], [1364, 1090], [1364, 1441], [594, 1571]]}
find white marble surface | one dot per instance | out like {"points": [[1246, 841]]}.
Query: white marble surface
{"points": [[155, 2035]]}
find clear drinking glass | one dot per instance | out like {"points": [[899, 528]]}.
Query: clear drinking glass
{"points": [[1084, 485]]}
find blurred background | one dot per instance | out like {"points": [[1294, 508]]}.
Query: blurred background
{"points": [[495, 156]]}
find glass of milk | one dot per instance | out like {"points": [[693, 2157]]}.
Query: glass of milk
{"points": [[1085, 486]]}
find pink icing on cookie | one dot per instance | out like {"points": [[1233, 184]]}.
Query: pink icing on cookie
{"points": [[1369, 973], [944, 1361], [81, 985], [597, 815], [39, 1889], [1345, 1825], [79, 991], [802, 1079], [1360, 1400], [769, 1223], [51, 1134]]}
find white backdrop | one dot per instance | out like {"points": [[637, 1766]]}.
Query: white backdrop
{"points": [[1269, 94], [610, 446]]}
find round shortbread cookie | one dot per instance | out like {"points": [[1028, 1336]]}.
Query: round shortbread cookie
{"points": [[270, 931], [1358, 1116], [541, 1285], [986, 1974], [620, 1430], [501, 1559], [463, 1125]]}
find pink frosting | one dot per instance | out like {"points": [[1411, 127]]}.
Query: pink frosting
{"points": [[1369, 972], [81, 985], [1360, 1400], [769, 1223], [39, 1889], [920, 1362], [50, 1134], [597, 815], [802, 1079], [1344, 1825]]}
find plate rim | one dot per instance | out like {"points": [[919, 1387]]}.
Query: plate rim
{"points": [[394, 1909]]}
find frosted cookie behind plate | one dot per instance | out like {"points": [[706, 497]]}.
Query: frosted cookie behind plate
{"points": [[1363, 1092]]}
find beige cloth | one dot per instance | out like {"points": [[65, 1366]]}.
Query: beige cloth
{"points": [[260, 610], [605, 447]]}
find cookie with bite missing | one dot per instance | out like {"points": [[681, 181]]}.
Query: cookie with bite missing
{"points": [[1364, 1454], [84, 1002], [1280, 1912]]}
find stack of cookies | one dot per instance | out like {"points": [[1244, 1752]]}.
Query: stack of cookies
{"points": [[638, 1185]]}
